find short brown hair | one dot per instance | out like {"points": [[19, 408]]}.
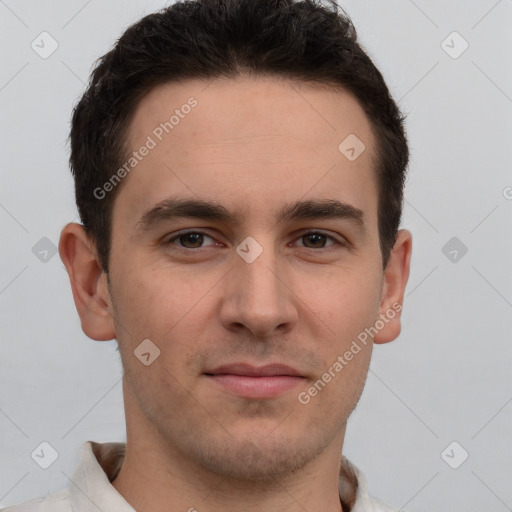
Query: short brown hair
{"points": [[196, 39]]}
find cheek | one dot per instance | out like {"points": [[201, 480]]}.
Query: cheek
{"points": [[172, 309], [151, 300], [346, 350], [156, 306], [347, 302]]}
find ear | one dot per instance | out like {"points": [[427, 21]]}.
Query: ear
{"points": [[396, 276], [88, 283]]}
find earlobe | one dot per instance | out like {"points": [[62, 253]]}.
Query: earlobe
{"points": [[88, 283], [396, 276]]}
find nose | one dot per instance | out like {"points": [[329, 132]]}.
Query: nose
{"points": [[258, 297]]}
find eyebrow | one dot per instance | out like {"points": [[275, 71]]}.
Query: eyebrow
{"points": [[174, 207]]}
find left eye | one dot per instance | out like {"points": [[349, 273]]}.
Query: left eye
{"points": [[195, 239], [315, 237]]}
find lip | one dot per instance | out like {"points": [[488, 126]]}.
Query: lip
{"points": [[249, 381], [245, 369]]}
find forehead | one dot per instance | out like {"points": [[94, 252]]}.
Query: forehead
{"points": [[315, 114], [253, 143]]}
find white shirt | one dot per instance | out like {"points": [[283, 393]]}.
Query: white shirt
{"points": [[91, 490]]}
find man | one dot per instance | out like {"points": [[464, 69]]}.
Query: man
{"points": [[239, 169]]}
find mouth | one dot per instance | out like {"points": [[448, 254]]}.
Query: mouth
{"points": [[249, 381]]}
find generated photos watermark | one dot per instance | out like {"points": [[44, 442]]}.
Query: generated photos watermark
{"points": [[304, 397], [151, 143]]}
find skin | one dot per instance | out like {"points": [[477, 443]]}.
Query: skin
{"points": [[252, 145]]}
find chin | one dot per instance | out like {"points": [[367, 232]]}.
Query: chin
{"points": [[257, 457]]}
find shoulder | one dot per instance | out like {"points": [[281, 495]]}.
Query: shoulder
{"points": [[56, 502], [381, 506]]}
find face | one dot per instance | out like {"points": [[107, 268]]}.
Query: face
{"points": [[251, 282]]}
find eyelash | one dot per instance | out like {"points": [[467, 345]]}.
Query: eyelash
{"points": [[175, 237]]}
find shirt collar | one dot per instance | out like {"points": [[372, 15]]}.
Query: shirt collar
{"points": [[91, 489]]}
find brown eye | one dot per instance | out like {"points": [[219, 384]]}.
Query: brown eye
{"points": [[314, 240], [195, 239], [189, 239], [318, 240]]}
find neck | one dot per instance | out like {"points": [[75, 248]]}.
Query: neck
{"points": [[157, 479], [160, 486]]}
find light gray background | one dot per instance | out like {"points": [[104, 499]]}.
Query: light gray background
{"points": [[447, 378]]}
